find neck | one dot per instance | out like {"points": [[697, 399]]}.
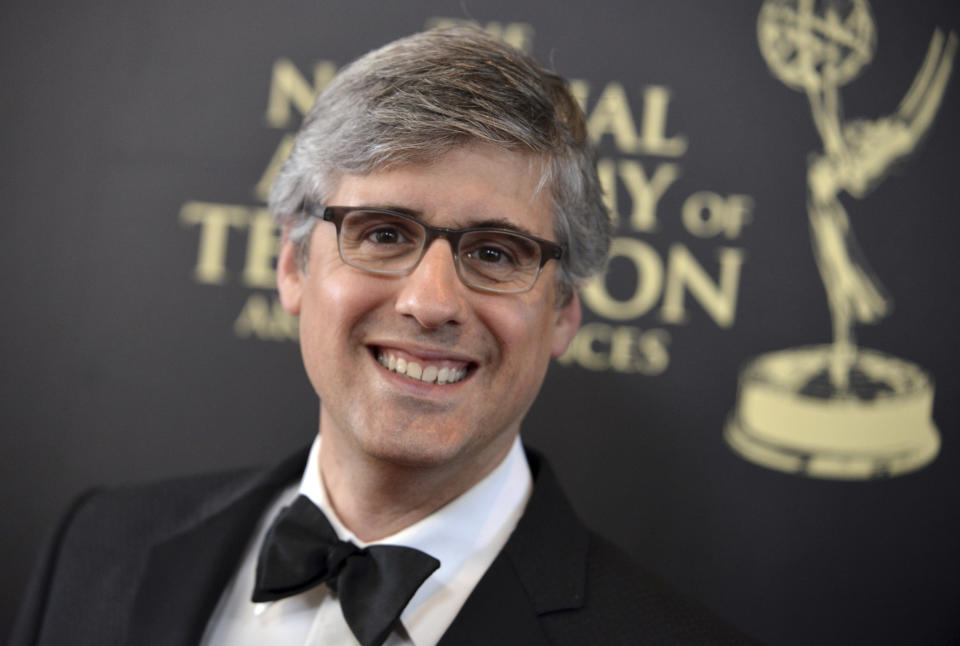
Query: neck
{"points": [[376, 496]]}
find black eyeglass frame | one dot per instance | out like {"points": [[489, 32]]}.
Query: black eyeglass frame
{"points": [[548, 250]]}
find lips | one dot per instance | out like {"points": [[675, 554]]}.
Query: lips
{"points": [[439, 372]]}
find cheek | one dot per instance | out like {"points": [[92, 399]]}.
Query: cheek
{"points": [[334, 294], [336, 302], [523, 332]]}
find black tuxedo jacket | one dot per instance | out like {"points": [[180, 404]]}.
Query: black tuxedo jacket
{"points": [[145, 566]]}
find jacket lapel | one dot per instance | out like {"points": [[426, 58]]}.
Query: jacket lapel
{"points": [[498, 611], [187, 571], [541, 569]]}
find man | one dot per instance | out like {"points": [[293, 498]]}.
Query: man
{"points": [[439, 208]]}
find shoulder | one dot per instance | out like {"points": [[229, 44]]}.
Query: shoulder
{"points": [[91, 567], [629, 604], [86, 572], [589, 591], [154, 510], [148, 510]]}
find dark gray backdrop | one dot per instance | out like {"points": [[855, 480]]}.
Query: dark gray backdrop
{"points": [[118, 365]]}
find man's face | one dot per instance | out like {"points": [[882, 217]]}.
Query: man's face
{"points": [[495, 348]]}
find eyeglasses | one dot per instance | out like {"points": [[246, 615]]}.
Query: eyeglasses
{"points": [[391, 243]]}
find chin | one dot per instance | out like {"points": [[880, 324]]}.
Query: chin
{"points": [[410, 449], [424, 449]]}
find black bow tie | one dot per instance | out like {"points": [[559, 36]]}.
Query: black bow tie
{"points": [[374, 584]]}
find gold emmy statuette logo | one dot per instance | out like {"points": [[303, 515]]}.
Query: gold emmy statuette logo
{"points": [[841, 411]]}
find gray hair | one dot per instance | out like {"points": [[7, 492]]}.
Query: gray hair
{"points": [[419, 97]]}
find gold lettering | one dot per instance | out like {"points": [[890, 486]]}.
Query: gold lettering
{"points": [[580, 89], [265, 320], [634, 349], [649, 270], [646, 192], [262, 189], [583, 348], [626, 349], [215, 221], [611, 115], [739, 213], [621, 348], [517, 34], [288, 88], [653, 126], [706, 214], [702, 214], [607, 172], [652, 347], [263, 245], [719, 299]]}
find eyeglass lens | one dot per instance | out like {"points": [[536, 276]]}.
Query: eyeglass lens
{"points": [[386, 243]]}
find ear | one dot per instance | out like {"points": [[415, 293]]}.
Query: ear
{"points": [[289, 277], [566, 325]]}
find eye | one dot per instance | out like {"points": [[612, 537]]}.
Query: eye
{"points": [[491, 255], [386, 235]]}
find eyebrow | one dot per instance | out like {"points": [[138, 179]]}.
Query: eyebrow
{"points": [[495, 223]]}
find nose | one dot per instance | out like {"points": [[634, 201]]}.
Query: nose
{"points": [[432, 293]]}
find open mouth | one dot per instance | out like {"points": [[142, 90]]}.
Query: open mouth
{"points": [[440, 373]]}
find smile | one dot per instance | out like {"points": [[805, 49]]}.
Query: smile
{"points": [[425, 372]]}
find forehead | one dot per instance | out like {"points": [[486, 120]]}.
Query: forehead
{"points": [[470, 185]]}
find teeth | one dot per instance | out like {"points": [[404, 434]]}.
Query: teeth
{"points": [[414, 370], [428, 374]]}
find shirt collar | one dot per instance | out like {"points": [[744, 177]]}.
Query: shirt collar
{"points": [[465, 535]]}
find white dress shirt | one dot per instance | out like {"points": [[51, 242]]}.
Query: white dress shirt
{"points": [[465, 535]]}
